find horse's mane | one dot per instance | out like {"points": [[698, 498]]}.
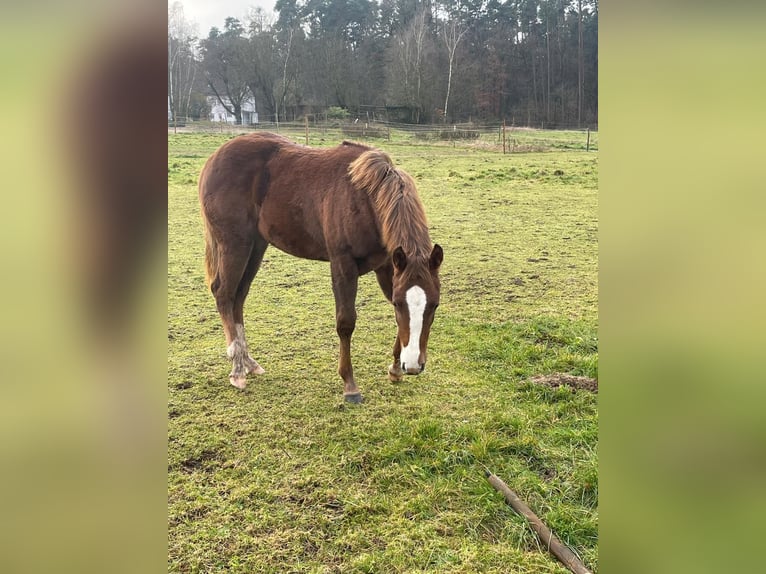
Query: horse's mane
{"points": [[401, 214]]}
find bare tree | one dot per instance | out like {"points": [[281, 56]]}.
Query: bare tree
{"points": [[452, 32], [580, 64], [409, 53], [273, 63], [182, 61], [259, 20], [284, 53], [262, 46]]}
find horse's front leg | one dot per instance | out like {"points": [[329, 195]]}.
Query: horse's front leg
{"points": [[395, 372], [345, 278], [385, 276]]}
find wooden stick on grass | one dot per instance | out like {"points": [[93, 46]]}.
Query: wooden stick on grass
{"points": [[555, 546]]}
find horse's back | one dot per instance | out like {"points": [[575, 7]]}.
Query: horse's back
{"points": [[312, 210], [238, 163], [298, 198]]}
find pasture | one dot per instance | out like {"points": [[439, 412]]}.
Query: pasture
{"points": [[286, 477]]}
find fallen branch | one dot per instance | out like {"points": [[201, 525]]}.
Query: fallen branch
{"points": [[554, 545]]}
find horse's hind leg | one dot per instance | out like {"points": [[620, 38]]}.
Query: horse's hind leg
{"points": [[233, 261], [253, 264]]}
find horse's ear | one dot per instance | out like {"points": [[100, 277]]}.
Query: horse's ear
{"points": [[400, 259], [437, 256]]}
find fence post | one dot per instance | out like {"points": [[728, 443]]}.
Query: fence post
{"points": [[587, 143], [503, 135], [307, 128]]}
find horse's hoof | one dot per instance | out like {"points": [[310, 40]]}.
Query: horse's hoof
{"points": [[239, 382], [354, 398], [395, 375], [255, 368]]}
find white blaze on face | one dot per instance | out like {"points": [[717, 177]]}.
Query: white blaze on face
{"points": [[416, 303]]}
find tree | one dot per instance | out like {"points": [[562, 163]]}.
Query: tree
{"points": [[261, 73], [409, 50], [452, 32], [580, 63], [182, 62], [226, 65], [525, 60], [274, 62]]}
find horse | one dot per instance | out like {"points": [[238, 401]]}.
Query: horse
{"points": [[348, 205]]}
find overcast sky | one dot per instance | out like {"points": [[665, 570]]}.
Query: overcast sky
{"points": [[209, 13]]}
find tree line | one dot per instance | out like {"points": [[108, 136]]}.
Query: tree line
{"points": [[530, 62]]}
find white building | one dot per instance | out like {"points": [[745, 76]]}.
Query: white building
{"points": [[219, 114]]}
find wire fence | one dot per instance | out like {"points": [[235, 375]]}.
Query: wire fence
{"points": [[498, 137]]}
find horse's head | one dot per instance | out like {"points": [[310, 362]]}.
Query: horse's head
{"points": [[415, 299]]}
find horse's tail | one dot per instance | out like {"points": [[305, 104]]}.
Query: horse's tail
{"points": [[211, 254], [211, 245]]}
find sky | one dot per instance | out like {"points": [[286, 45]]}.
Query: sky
{"points": [[209, 13]]}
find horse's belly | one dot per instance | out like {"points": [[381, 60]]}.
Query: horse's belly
{"points": [[303, 251], [293, 239]]}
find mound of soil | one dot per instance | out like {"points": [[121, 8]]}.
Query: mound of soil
{"points": [[558, 379]]}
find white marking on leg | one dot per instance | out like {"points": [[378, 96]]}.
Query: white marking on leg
{"points": [[238, 346], [238, 352], [416, 303], [236, 349]]}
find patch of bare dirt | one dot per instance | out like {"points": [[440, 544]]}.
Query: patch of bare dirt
{"points": [[558, 379]]}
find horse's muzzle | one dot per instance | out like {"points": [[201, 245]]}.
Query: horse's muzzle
{"points": [[416, 370]]}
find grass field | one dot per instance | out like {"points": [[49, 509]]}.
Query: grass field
{"points": [[285, 477]]}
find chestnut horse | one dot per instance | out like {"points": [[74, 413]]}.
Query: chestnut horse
{"points": [[347, 205]]}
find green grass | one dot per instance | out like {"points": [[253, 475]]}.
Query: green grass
{"points": [[518, 139], [285, 477]]}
